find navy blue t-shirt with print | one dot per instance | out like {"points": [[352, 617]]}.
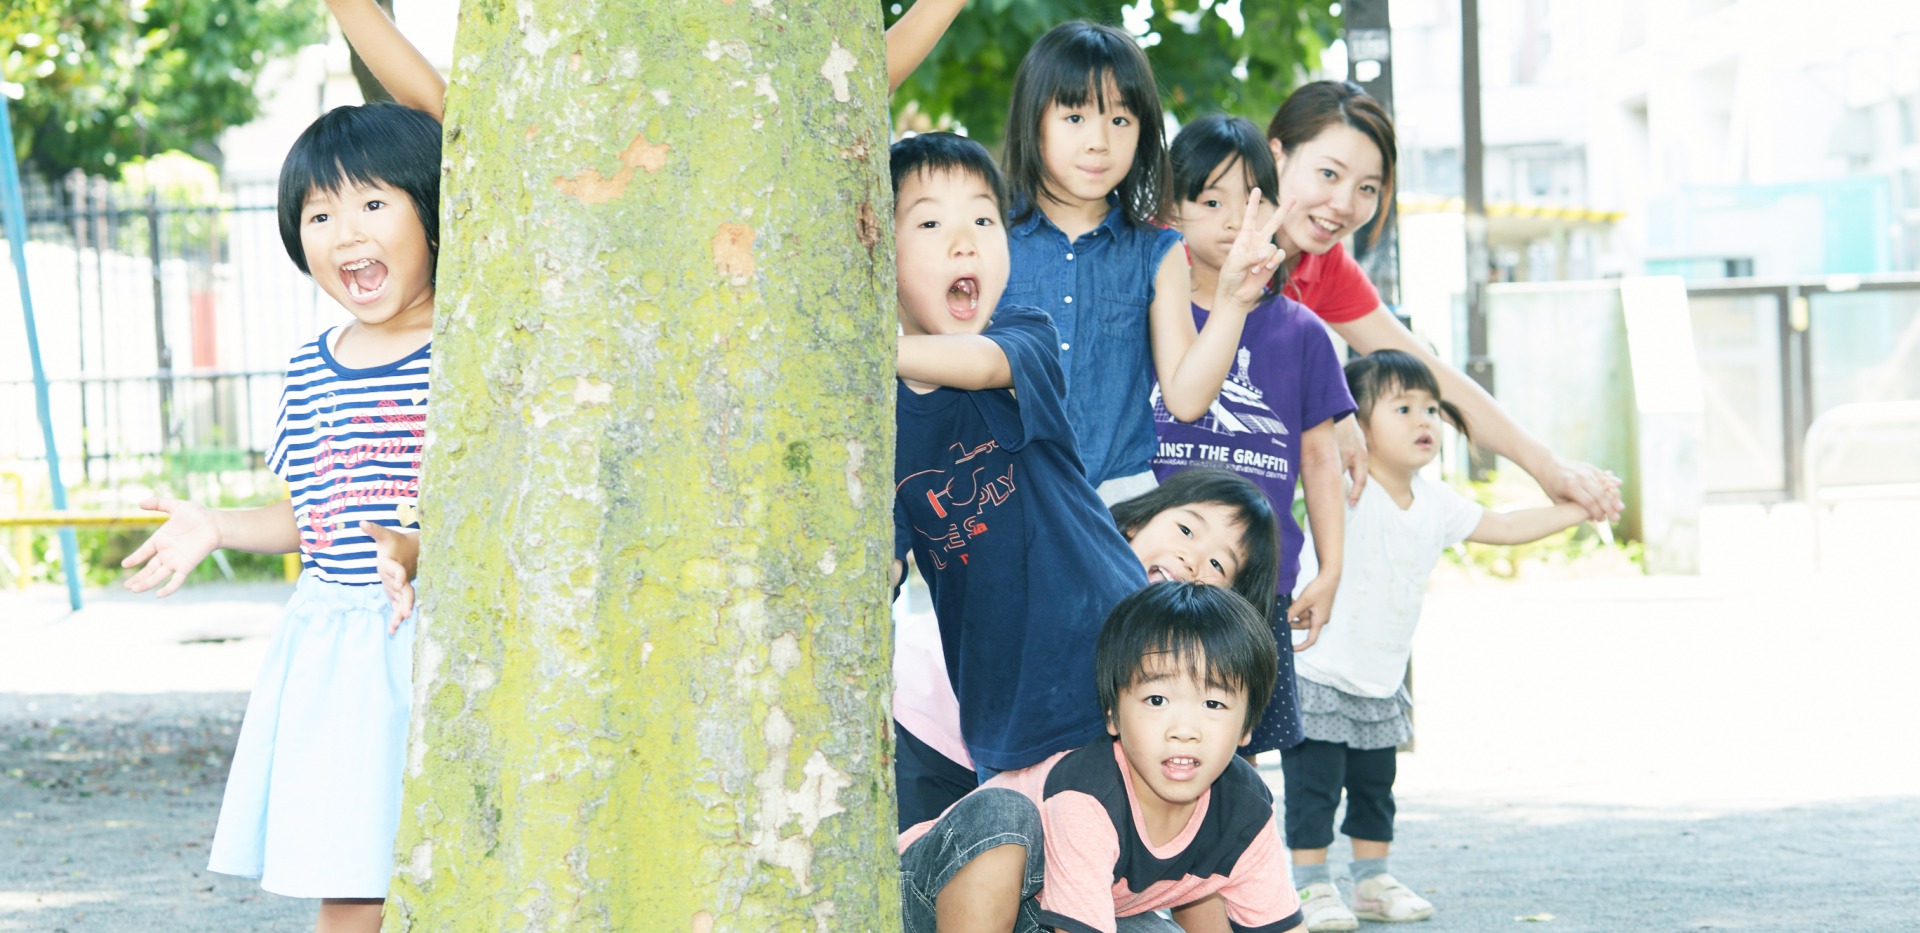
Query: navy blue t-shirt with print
{"points": [[1098, 288], [1021, 558]]}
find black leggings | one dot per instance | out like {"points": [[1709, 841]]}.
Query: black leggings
{"points": [[926, 782], [1315, 773]]}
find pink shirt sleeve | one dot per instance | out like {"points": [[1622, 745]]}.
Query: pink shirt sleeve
{"points": [[1260, 894], [1081, 851], [1333, 286]]}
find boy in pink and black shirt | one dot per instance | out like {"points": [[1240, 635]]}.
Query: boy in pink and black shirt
{"points": [[1160, 816]]}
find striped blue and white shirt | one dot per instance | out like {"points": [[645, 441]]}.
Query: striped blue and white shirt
{"points": [[348, 443]]}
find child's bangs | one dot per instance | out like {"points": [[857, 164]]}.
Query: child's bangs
{"points": [[1401, 373], [334, 160], [1092, 88], [1209, 148], [1181, 653], [1085, 68]]}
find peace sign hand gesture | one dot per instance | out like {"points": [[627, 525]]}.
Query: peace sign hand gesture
{"points": [[1254, 258]]}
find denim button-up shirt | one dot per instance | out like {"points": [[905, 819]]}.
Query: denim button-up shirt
{"points": [[1097, 289]]}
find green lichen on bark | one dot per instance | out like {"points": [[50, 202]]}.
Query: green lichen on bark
{"points": [[652, 682]]}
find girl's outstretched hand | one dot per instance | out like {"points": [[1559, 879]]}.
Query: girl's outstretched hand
{"points": [[1254, 258], [191, 532], [1312, 609], [396, 557]]}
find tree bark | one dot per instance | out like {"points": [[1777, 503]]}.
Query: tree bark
{"points": [[652, 682]]}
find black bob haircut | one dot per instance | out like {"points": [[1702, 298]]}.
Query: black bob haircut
{"points": [[382, 143], [1210, 145], [946, 152], [1188, 623], [1383, 372], [1259, 574], [1069, 66]]}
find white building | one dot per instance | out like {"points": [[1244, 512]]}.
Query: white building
{"points": [[1734, 137]]}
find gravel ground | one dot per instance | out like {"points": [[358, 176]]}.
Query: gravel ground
{"points": [[1733, 751], [107, 806]]}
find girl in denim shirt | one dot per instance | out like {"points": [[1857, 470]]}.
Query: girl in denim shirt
{"points": [[1087, 164]]}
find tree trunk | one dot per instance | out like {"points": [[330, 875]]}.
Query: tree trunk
{"points": [[652, 682]]}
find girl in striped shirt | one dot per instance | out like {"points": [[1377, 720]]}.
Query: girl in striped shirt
{"points": [[313, 801]]}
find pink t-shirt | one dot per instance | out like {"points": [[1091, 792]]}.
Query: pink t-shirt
{"points": [[1101, 865], [923, 700]]}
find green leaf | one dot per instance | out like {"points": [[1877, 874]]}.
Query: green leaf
{"points": [[171, 77], [968, 78]]}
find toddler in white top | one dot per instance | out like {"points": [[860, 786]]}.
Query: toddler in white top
{"points": [[1354, 709]]}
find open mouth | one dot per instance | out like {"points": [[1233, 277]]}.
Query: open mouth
{"points": [[1157, 573], [1180, 767], [963, 298], [1327, 229], [1424, 442], [365, 279]]}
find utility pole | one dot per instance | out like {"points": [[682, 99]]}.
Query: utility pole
{"points": [[1370, 56], [1479, 365]]}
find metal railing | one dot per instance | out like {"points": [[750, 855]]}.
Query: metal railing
{"points": [[1777, 355], [165, 324]]}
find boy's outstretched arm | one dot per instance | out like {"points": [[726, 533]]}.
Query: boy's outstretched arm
{"points": [[915, 34], [1526, 524], [957, 361], [192, 531], [402, 70]]}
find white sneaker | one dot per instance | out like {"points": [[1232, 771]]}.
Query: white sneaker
{"points": [[1324, 911], [1383, 899]]}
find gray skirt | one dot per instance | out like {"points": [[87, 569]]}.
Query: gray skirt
{"points": [[1328, 714]]}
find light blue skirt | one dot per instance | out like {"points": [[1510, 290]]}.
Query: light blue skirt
{"points": [[313, 800]]}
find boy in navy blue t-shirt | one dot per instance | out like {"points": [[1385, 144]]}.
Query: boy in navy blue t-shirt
{"points": [[1020, 556]]}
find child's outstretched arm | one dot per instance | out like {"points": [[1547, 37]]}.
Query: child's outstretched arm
{"points": [[192, 531], [396, 554], [402, 70], [1191, 366], [1493, 427], [915, 34], [1526, 524], [957, 361], [1327, 516]]}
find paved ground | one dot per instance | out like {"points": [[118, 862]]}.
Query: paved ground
{"points": [[1733, 751]]}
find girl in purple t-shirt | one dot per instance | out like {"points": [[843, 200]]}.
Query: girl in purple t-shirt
{"points": [[1273, 421]]}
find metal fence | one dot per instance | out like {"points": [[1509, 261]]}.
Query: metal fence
{"points": [[165, 324], [1776, 355]]}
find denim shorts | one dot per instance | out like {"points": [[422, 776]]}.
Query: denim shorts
{"points": [[985, 819]]}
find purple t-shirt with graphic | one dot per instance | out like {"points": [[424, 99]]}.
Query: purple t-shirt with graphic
{"points": [[1286, 378]]}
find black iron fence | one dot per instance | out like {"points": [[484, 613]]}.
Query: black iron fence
{"points": [[165, 317], [166, 320]]}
